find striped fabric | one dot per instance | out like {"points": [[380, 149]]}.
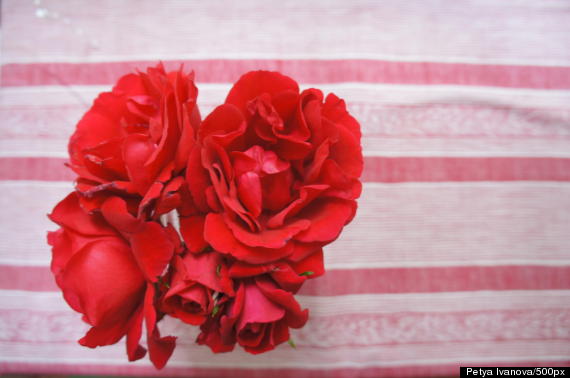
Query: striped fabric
{"points": [[460, 253]]}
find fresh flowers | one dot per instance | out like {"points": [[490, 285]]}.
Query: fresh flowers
{"points": [[259, 187]]}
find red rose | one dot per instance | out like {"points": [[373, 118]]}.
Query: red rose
{"points": [[275, 172], [105, 265], [258, 318], [194, 282], [135, 138], [260, 186]]}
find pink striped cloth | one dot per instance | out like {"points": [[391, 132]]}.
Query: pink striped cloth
{"points": [[460, 253]]}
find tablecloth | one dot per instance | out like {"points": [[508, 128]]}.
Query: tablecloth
{"points": [[460, 252]]}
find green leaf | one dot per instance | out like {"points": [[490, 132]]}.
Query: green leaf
{"points": [[292, 343], [163, 283], [307, 273], [215, 310]]}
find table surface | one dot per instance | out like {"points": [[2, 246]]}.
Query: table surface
{"points": [[460, 252]]}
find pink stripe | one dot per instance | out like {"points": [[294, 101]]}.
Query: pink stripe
{"points": [[376, 169], [35, 168], [30, 278], [440, 279], [368, 281], [132, 370], [308, 71], [434, 169]]}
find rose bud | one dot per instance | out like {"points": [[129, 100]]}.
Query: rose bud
{"points": [[274, 173], [106, 265], [196, 281], [258, 318], [135, 139]]}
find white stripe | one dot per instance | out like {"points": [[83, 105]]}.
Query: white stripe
{"points": [[372, 147], [308, 358], [461, 184], [10, 149], [215, 93], [61, 185], [337, 305], [332, 331], [26, 59], [465, 147], [397, 225], [440, 153], [45, 261], [378, 30]]}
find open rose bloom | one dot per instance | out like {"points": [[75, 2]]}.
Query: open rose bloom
{"points": [[259, 187]]}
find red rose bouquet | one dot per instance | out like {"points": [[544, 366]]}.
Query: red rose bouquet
{"points": [[258, 187]]}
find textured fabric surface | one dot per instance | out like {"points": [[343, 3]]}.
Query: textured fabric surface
{"points": [[460, 252]]}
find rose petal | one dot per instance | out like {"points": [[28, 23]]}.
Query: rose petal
{"points": [[257, 308], [209, 270], [268, 238], [129, 85], [266, 161], [306, 195], [69, 214], [240, 269], [134, 350], [285, 103], [152, 249], [253, 334], [287, 278], [313, 263], [302, 250], [291, 149], [264, 121], [220, 237], [347, 153], [211, 337], [335, 109], [159, 348], [280, 333], [276, 189], [197, 178], [165, 152], [281, 272], [341, 185], [249, 191], [115, 211], [137, 149], [225, 123], [256, 83], [105, 160], [95, 128], [228, 321], [187, 138], [328, 217], [104, 335], [103, 282], [294, 316], [192, 230], [62, 249]]}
